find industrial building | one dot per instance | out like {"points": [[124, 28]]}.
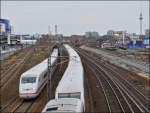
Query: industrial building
{"points": [[5, 31], [93, 34]]}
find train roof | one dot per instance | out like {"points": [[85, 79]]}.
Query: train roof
{"points": [[41, 67], [63, 105], [72, 80]]}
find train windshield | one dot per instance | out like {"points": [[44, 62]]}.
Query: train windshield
{"points": [[69, 95], [28, 80]]}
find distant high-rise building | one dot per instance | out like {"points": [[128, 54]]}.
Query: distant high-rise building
{"points": [[110, 32], [147, 32], [93, 34], [5, 31]]}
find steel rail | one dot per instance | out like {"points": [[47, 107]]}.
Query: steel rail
{"points": [[110, 87], [131, 85], [18, 107], [7, 78], [99, 81], [7, 71], [123, 90], [122, 78], [121, 83], [4, 72]]}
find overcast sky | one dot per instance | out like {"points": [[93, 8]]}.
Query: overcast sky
{"points": [[75, 17]]}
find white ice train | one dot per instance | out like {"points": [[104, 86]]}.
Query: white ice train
{"points": [[64, 105], [34, 80], [69, 95], [28, 41]]}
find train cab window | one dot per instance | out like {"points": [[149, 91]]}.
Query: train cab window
{"points": [[53, 108], [63, 95], [69, 95], [28, 80]]}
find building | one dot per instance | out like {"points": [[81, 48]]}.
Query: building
{"points": [[106, 40], [110, 32], [116, 33], [92, 34], [78, 40], [5, 26], [147, 32], [5, 31]]}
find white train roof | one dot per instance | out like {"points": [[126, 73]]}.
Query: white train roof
{"points": [[41, 67], [72, 80], [28, 41], [63, 105]]}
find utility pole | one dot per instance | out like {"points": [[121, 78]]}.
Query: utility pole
{"points": [[49, 88], [49, 30], [123, 37], [55, 30]]}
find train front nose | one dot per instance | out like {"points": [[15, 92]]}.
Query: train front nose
{"points": [[27, 92]]}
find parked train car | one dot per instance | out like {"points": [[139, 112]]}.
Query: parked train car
{"points": [[34, 80], [69, 95], [28, 42]]}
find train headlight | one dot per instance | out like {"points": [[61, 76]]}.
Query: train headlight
{"points": [[33, 90]]}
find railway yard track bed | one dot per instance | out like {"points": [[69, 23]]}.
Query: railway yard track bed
{"points": [[113, 88], [108, 88]]}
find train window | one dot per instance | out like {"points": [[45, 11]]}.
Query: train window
{"points": [[50, 109], [75, 95], [63, 95], [39, 79], [69, 95], [28, 80]]}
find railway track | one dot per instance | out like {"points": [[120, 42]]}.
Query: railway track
{"points": [[8, 74], [3, 73], [113, 105], [16, 104], [89, 97], [116, 90], [117, 74], [20, 60], [142, 100], [23, 106], [17, 55]]}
